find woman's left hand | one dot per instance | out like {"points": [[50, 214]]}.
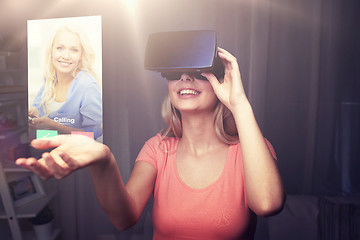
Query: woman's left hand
{"points": [[69, 153], [231, 92]]}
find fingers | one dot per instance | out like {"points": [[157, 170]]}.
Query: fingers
{"points": [[22, 162], [36, 120], [60, 164], [56, 165], [222, 50], [50, 142], [212, 79], [231, 65], [70, 162], [38, 167], [42, 144], [228, 59], [33, 112], [225, 54]]}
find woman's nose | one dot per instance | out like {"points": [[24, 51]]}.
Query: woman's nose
{"points": [[186, 77], [65, 54]]}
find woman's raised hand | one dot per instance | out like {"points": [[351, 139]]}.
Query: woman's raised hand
{"points": [[231, 92], [71, 152]]}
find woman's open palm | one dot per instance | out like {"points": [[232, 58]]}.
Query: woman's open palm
{"points": [[71, 152]]}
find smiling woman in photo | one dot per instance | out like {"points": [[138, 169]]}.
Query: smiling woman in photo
{"points": [[70, 98]]}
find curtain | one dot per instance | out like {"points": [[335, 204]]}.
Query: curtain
{"points": [[338, 133]]}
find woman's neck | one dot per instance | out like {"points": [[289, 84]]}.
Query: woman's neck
{"points": [[64, 79], [198, 133]]}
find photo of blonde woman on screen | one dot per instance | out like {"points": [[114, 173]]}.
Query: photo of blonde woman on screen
{"points": [[69, 98]]}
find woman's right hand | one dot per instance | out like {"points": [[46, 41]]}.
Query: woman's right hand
{"points": [[34, 112], [70, 153]]}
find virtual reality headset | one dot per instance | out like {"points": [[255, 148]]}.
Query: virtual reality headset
{"points": [[190, 52]]}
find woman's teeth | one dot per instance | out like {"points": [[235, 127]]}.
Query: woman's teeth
{"points": [[65, 63], [188, 91]]}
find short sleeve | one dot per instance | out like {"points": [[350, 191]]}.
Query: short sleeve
{"points": [[149, 152]]}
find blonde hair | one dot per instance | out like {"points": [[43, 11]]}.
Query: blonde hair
{"points": [[224, 122], [85, 64]]}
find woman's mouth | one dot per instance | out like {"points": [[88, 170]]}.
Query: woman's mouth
{"points": [[184, 92], [64, 63]]}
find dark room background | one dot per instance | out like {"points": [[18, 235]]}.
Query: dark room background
{"points": [[300, 63]]}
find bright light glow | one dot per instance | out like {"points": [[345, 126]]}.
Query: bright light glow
{"points": [[131, 5]]}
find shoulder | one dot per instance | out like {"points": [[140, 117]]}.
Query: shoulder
{"points": [[84, 79], [157, 149], [160, 143]]}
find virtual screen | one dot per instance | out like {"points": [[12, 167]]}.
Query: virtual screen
{"points": [[65, 77]]}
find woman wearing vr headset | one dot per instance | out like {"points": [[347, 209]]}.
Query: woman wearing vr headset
{"points": [[211, 171]]}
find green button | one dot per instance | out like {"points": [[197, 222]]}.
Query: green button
{"points": [[46, 133]]}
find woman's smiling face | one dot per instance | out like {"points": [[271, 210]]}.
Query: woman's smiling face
{"points": [[191, 94], [66, 52]]}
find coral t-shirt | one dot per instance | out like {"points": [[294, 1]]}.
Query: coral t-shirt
{"points": [[216, 212]]}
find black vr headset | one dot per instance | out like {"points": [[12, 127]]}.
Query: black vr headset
{"points": [[191, 52]]}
